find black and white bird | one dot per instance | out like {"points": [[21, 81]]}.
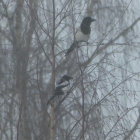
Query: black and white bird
{"points": [[57, 92], [65, 78], [82, 34]]}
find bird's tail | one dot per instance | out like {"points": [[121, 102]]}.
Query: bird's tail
{"points": [[49, 101], [73, 45]]}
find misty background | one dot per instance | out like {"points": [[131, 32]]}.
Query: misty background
{"points": [[102, 101]]}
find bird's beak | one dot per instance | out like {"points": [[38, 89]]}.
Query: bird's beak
{"points": [[93, 19]]}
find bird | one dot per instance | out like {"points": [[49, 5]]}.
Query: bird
{"points": [[82, 34], [57, 92], [65, 78]]}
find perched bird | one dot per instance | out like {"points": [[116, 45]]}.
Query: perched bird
{"points": [[82, 34], [57, 92], [65, 78]]}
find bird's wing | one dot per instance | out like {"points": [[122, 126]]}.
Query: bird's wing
{"points": [[61, 86], [67, 77], [61, 81], [72, 47], [59, 92]]}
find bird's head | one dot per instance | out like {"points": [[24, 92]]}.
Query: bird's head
{"points": [[85, 25], [88, 20]]}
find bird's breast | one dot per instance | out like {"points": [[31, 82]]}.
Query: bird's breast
{"points": [[80, 37]]}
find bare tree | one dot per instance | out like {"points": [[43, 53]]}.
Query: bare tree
{"points": [[100, 101]]}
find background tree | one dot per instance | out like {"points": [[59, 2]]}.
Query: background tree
{"points": [[100, 102]]}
